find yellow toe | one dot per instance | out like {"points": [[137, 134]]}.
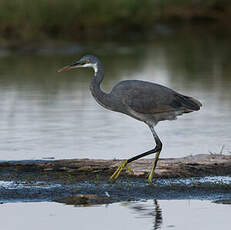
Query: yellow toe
{"points": [[116, 174]]}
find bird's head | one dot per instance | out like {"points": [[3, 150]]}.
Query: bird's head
{"points": [[85, 61]]}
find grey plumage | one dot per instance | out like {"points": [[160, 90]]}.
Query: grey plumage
{"points": [[142, 100], [151, 102]]}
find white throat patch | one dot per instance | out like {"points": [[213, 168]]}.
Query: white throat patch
{"points": [[94, 66]]}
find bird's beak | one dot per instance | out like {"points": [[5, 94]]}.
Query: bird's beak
{"points": [[72, 66]]}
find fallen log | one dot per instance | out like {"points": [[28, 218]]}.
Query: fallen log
{"points": [[88, 169]]}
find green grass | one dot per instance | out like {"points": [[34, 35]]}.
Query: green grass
{"points": [[27, 20]]}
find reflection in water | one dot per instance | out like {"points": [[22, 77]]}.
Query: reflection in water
{"points": [[47, 114], [146, 210], [158, 217], [177, 214]]}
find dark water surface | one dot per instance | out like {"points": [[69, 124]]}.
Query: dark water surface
{"points": [[147, 215], [49, 114], [203, 188]]}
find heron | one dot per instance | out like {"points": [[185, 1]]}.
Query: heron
{"points": [[145, 101]]}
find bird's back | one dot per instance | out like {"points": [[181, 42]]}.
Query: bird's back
{"points": [[150, 101]]}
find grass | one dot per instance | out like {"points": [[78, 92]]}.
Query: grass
{"points": [[26, 20]]}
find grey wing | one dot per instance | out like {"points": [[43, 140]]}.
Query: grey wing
{"points": [[150, 98], [150, 102]]}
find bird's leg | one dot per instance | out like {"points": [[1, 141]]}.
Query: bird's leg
{"points": [[119, 169], [151, 174], [156, 150]]}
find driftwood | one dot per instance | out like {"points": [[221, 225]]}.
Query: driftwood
{"points": [[86, 169]]}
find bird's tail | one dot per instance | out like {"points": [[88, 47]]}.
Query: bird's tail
{"points": [[190, 102]]}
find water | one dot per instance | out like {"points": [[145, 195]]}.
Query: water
{"points": [[49, 114], [158, 209], [45, 114], [147, 215]]}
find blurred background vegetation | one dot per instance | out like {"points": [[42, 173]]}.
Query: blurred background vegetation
{"points": [[26, 20]]}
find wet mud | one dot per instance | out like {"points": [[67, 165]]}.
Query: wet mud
{"points": [[86, 182]]}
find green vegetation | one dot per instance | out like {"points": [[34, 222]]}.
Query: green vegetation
{"points": [[26, 20]]}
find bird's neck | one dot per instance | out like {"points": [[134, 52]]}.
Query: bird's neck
{"points": [[101, 97], [98, 74]]}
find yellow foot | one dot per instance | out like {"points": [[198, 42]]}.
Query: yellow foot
{"points": [[116, 174]]}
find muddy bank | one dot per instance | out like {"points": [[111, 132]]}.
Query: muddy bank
{"points": [[86, 182], [78, 170]]}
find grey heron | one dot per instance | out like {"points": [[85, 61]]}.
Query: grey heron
{"points": [[142, 100]]}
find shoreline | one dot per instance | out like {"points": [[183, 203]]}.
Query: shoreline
{"points": [[86, 182], [86, 169]]}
